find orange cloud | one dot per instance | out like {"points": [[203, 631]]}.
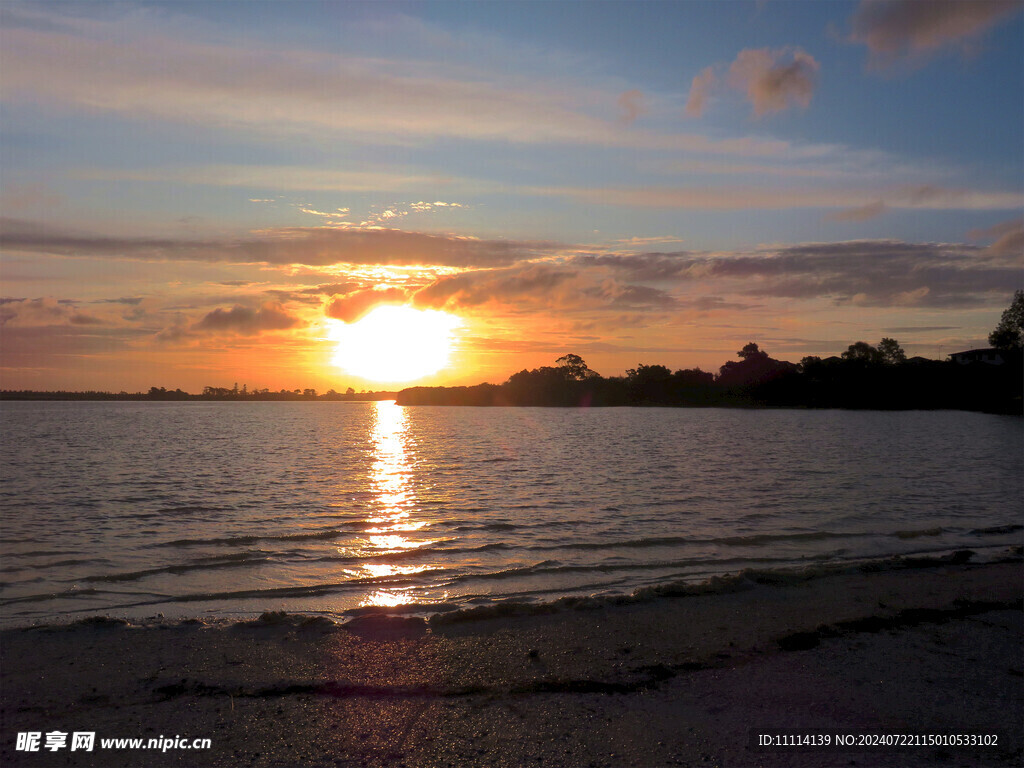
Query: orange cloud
{"points": [[352, 306]]}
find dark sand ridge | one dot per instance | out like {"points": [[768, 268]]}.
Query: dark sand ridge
{"points": [[673, 681]]}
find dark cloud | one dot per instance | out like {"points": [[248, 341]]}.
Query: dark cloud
{"points": [[314, 246], [623, 295], [44, 311], [642, 266], [245, 321], [131, 301], [895, 30], [470, 289], [579, 285], [176, 333], [870, 272], [353, 306]]}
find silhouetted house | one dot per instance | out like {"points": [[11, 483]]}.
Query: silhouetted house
{"points": [[989, 356]]}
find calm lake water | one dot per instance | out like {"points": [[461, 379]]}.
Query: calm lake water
{"points": [[230, 509]]}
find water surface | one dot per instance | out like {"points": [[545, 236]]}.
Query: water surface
{"points": [[229, 509]]}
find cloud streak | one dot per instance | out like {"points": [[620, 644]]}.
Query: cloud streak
{"points": [[132, 68], [920, 197], [868, 272], [312, 246]]}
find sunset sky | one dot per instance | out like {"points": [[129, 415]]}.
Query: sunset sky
{"points": [[201, 194]]}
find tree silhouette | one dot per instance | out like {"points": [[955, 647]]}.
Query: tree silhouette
{"points": [[862, 352], [891, 351], [574, 367], [751, 351], [1009, 334]]}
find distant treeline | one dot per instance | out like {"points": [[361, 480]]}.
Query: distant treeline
{"points": [[865, 376], [209, 393]]}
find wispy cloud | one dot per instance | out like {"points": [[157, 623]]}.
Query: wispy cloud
{"points": [[296, 245], [922, 197], [870, 272], [860, 213], [132, 67], [911, 31]]}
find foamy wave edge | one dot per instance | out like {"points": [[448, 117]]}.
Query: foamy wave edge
{"points": [[402, 618]]}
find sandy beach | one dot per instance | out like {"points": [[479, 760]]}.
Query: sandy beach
{"points": [[685, 680]]}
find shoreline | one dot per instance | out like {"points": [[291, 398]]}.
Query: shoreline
{"points": [[676, 680]]}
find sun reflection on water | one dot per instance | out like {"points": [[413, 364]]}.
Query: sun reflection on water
{"points": [[390, 480]]}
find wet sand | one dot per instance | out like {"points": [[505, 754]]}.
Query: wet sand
{"points": [[690, 680]]}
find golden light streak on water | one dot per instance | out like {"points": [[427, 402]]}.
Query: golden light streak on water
{"points": [[394, 498]]}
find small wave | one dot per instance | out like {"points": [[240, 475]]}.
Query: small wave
{"points": [[57, 564], [747, 579], [913, 534], [244, 559], [997, 530], [49, 596], [37, 553], [187, 509], [413, 554], [241, 540], [670, 541]]}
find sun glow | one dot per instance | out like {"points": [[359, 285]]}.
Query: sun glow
{"points": [[393, 344]]}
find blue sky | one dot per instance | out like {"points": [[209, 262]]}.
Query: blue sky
{"points": [[155, 152]]}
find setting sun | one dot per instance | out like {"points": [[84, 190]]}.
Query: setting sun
{"points": [[394, 344]]}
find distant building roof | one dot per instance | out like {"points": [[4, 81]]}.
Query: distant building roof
{"points": [[988, 355]]}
